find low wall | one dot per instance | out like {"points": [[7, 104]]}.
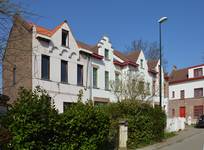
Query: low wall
{"points": [[175, 124]]}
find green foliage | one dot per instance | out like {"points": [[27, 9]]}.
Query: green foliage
{"points": [[35, 124], [84, 127], [145, 124], [31, 121]]}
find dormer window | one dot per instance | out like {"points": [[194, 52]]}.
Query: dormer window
{"points": [[65, 38], [198, 72], [141, 64], [106, 54]]}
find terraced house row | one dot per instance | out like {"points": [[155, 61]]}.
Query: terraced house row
{"points": [[56, 61]]}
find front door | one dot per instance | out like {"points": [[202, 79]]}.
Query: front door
{"points": [[182, 112]]}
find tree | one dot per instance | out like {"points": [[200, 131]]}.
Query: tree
{"points": [[150, 49], [131, 86]]}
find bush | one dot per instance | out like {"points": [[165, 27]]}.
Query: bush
{"points": [[83, 127], [31, 121], [35, 124], [145, 124]]}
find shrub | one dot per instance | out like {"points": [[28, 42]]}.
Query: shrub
{"points": [[35, 124], [145, 124], [31, 121], [84, 127]]}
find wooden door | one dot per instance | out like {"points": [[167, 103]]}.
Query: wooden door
{"points": [[182, 112]]}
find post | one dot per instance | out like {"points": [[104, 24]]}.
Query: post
{"points": [[160, 67], [123, 135]]}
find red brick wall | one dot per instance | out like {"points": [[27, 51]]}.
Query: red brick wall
{"points": [[188, 104]]}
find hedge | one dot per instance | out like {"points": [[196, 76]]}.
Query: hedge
{"points": [[34, 123]]}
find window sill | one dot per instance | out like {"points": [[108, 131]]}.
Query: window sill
{"points": [[80, 85], [107, 90], [62, 82], [96, 88], [107, 59], [65, 46], [45, 79]]}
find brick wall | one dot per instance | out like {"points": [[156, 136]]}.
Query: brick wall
{"points": [[188, 104], [18, 54]]}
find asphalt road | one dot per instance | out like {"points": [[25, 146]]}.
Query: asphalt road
{"points": [[194, 142], [189, 139]]}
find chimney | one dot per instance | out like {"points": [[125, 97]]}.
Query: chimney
{"points": [[174, 68]]}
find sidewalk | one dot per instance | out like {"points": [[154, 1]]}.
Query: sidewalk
{"points": [[182, 135]]}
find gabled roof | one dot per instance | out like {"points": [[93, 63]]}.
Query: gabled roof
{"points": [[83, 45], [45, 31], [152, 64], [120, 55], [178, 75], [133, 56]]}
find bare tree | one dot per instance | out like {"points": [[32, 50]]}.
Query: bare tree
{"points": [[131, 86], [150, 49]]}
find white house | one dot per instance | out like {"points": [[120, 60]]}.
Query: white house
{"points": [[62, 65], [186, 92]]}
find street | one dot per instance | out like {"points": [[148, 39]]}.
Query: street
{"points": [[194, 142], [189, 139]]}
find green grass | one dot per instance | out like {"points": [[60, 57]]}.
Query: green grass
{"points": [[169, 134]]}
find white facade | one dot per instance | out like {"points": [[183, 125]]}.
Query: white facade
{"points": [[188, 84], [61, 92]]}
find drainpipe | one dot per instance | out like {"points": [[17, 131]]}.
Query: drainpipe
{"points": [[90, 71]]}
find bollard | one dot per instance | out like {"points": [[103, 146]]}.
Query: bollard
{"points": [[123, 135]]}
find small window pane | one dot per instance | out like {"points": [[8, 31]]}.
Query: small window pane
{"points": [[64, 71], [106, 54], [106, 80], [95, 77], [45, 67], [65, 38], [79, 75]]}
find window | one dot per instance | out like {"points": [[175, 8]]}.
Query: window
{"points": [[106, 80], [148, 88], [14, 75], [117, 77], [182, 94], [141, 64], [165, 90], [173, 94], [45, 67], [65, 38], [198, 111], [198, 92], [79, 75], [95, 77], [173, 112], [64, 71], [154, 87], [198, 72], [106, 54]]}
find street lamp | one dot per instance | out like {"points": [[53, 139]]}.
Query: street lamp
{"points": [[160, 21]]}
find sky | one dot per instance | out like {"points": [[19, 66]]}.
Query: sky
{"points": [[126, 20]]}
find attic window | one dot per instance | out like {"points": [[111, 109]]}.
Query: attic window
{"points": [[141, 64], [65, 38]]}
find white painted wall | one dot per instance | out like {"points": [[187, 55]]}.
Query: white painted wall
{"points": [[191, 71], [188, 87], [68, 92]]}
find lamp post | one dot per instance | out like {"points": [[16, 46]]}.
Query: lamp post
{"points": [[160, 21]]}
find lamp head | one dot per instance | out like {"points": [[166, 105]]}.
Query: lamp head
{"points": [[162, 19]]}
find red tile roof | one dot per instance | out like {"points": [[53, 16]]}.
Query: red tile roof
{"points": [[181, 75], [133, 56], [130, 59], [45, 31]]}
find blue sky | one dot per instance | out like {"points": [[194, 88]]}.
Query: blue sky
{"points": [[126, 20]]}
